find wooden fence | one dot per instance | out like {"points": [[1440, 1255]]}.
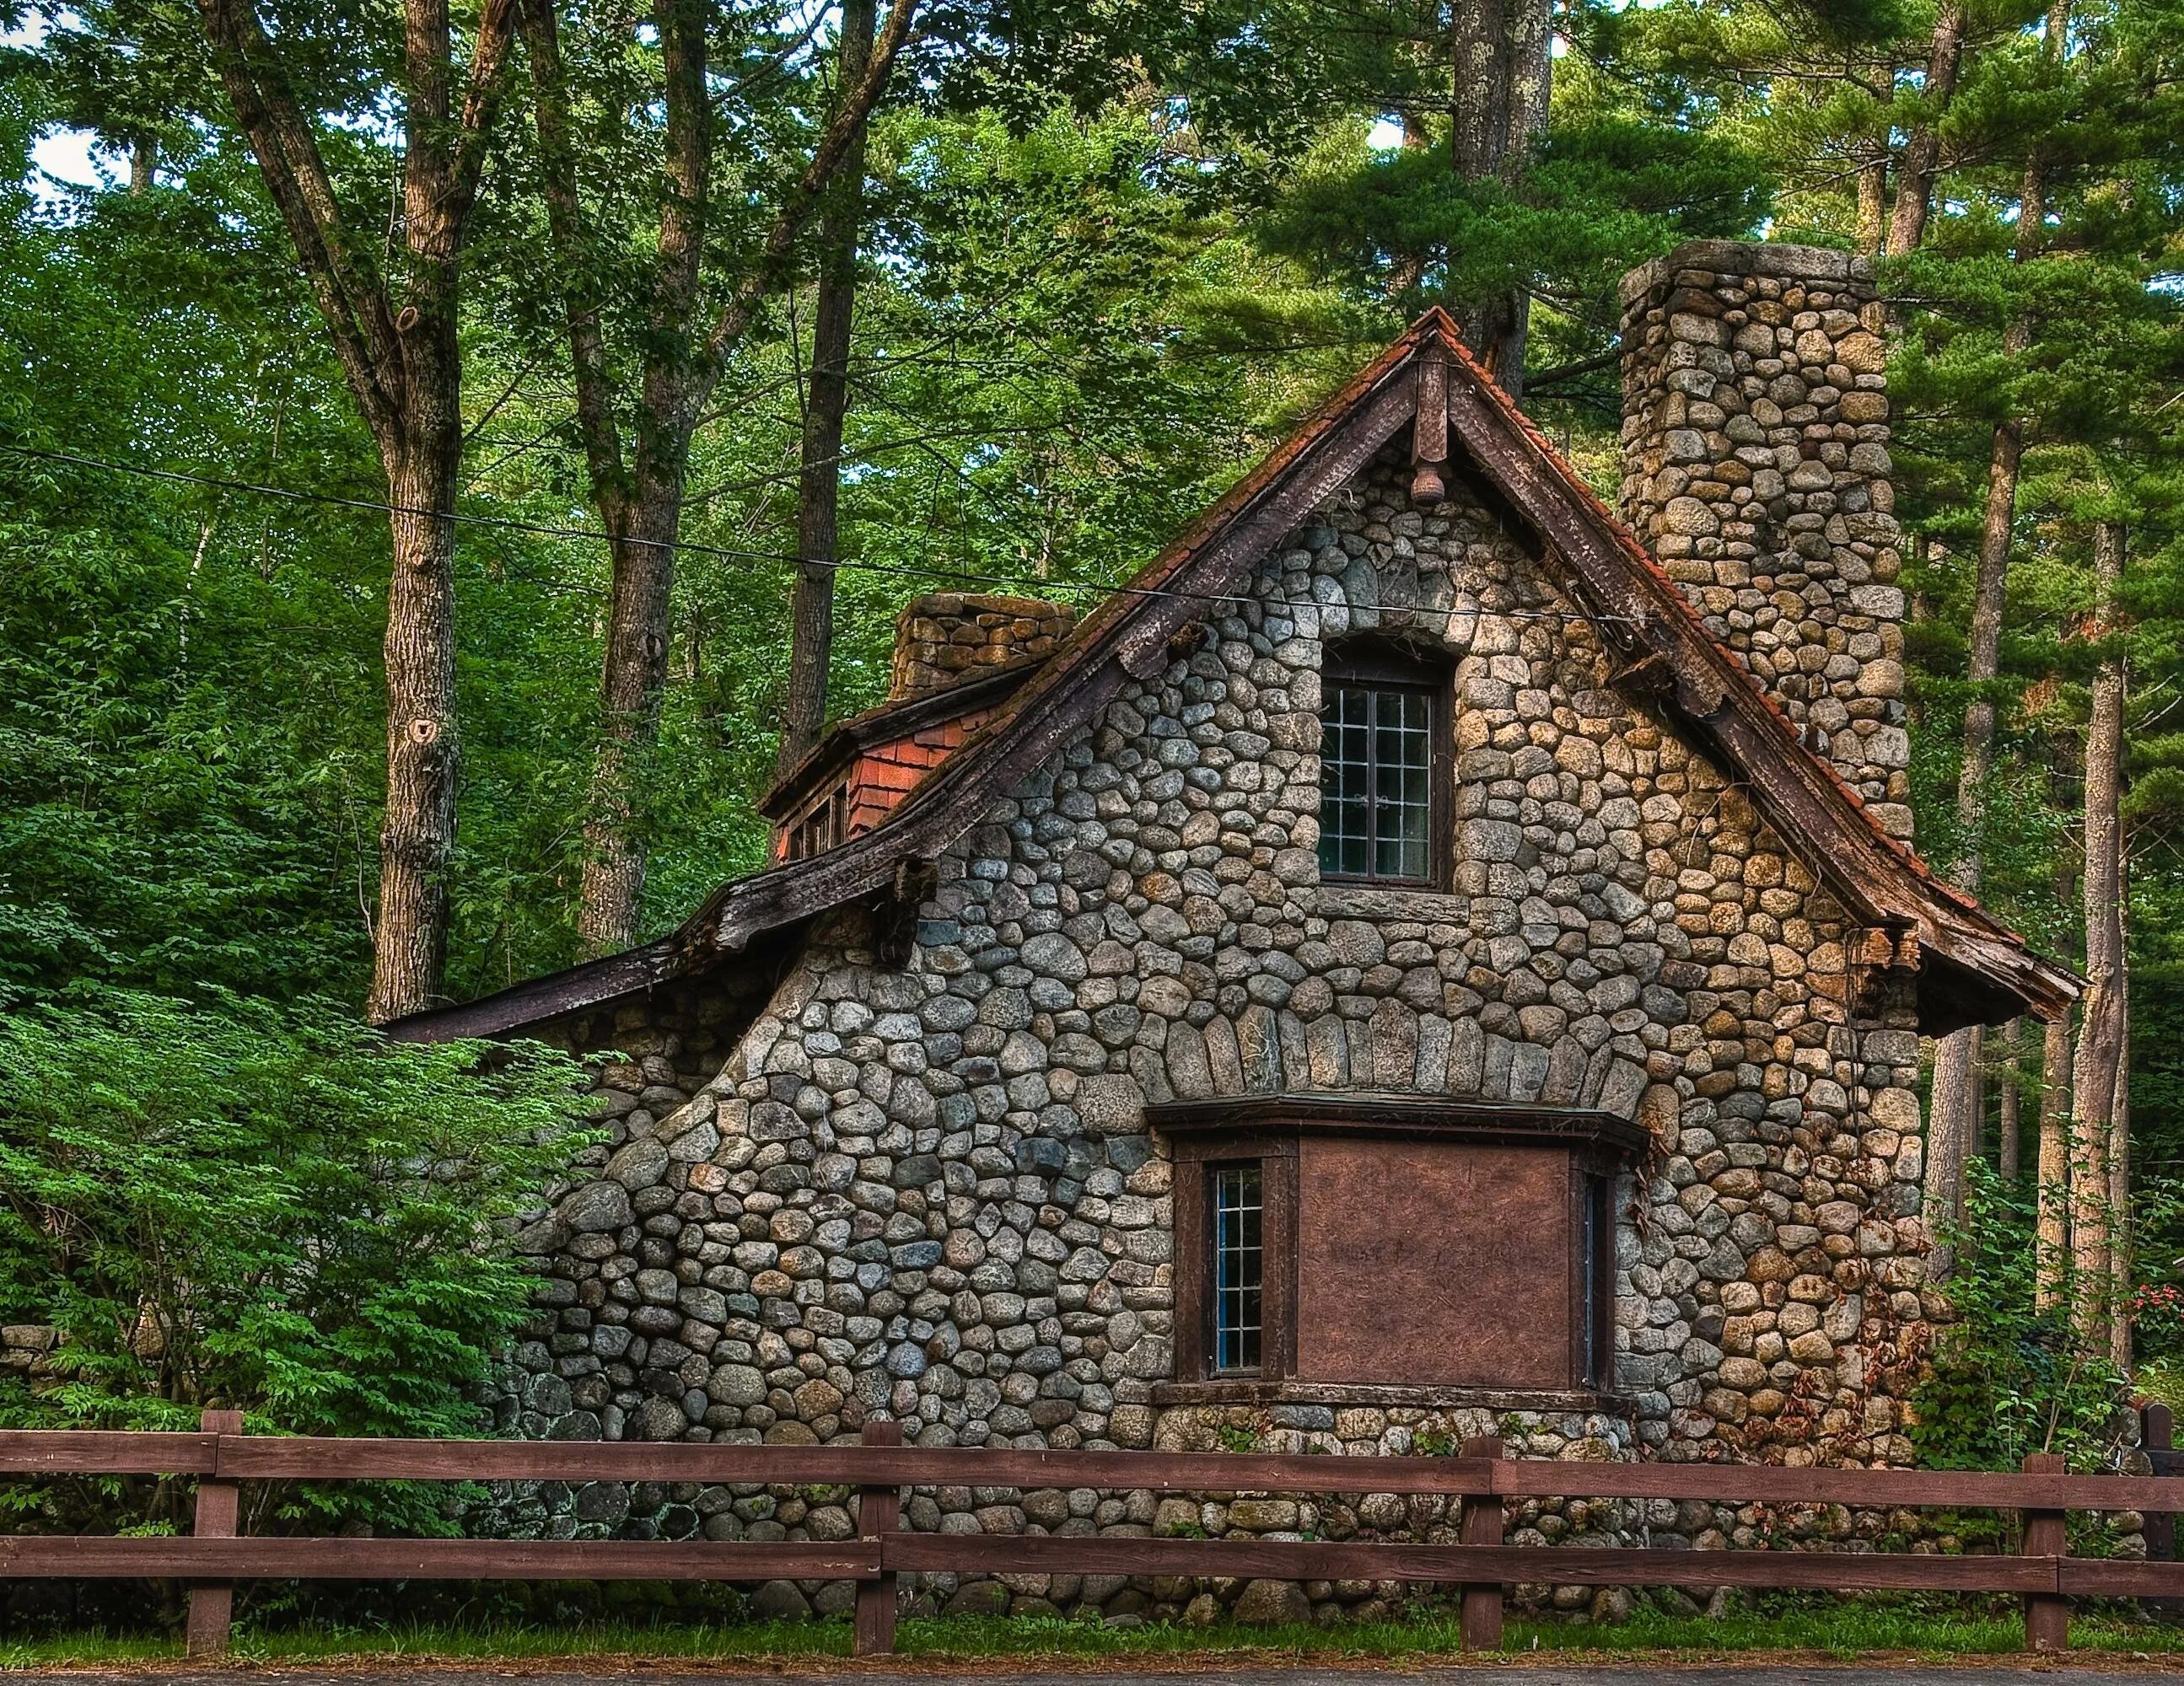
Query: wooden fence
{"points": [[1478, 1477]]}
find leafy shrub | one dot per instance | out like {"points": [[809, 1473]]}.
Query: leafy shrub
{"points": [[229, 1203], [2008, 1378]]}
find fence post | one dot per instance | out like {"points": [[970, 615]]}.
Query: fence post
{"points": [[2047, 1614], [212, 1602], [1479, 1519], [879, 1514], [2157, 1440]]}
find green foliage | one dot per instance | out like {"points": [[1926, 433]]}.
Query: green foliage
{"points": [[229, 1203], [1607, 191], [2007, 1377], [1237, 1437], [587, 1625]]}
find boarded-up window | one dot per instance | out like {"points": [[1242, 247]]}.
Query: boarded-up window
{"points": [[1434, 1264], [1466, 1251]]}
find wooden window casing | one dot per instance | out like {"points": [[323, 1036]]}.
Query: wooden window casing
{"points": [[1592, 1273], [1362, 1324], [1385, 729], [1199, 1161]]}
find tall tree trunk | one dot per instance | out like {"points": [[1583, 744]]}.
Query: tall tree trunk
{"points": [[1957, 1103], [1531, 85], [1482, 121], [634, 673], [1479, 108], [1922, 153], [143, 163], [819, 477], [1873, 179], [1948, 1145], [417, 835], [2122, 1224], [417, 839], [633, 677], [2052, 1165], [2009, 1148], [641, 504], [401, 360], [2095, 1080]]}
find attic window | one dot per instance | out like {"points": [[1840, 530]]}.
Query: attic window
{"points": [[818, 829], [1384, 768]]}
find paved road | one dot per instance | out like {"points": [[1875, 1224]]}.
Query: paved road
{"points": [[818, 1670]]}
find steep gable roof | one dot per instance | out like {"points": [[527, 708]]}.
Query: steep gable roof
{"points": [[1970, 968]]}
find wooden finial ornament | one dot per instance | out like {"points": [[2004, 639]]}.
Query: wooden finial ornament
{"points": [[1429, 432]]}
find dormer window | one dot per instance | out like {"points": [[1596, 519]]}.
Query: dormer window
{"points": [[1384, 749]]}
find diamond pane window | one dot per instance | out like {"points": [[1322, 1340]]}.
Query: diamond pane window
{"points": [[1378, 748]]}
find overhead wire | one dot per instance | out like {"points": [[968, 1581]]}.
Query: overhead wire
{"points": [[733, 553]]}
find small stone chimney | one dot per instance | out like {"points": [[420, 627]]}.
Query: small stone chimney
{"points": [[1755, 466], [948, 636]]}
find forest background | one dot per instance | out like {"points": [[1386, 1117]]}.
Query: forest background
{"points": [[448, 463]]}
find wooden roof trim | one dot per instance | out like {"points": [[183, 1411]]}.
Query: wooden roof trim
{"points": [[1877, 877], [537, 999], [1127, 636], [1370, 1112]]}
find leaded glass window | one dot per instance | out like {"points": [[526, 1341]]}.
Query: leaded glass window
{"points": [[1380, 750]]}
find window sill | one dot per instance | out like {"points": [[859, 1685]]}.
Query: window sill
{"points": [[1249, 1391], [1342, 900]]}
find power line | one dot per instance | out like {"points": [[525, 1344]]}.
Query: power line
{"points": [[914, 571]]}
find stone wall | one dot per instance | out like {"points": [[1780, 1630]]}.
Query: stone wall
{"points": [[1756, 467], [929, 1191]]}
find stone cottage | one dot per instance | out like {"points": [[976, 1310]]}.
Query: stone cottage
{"points": [[1430, 957]]}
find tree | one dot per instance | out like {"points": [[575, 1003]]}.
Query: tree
{"points": [[265, 1208], [1922, 151], [2096, 1085], [397, 338], [826, 402], [1957, 1101], [1502, 67], [664, 385]]}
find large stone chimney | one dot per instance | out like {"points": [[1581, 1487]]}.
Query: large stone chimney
{"points": [[948, 636], [1755, 466]]}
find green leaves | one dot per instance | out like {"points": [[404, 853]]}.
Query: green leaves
{"points": [[2007, 1377], [230, 1203]]}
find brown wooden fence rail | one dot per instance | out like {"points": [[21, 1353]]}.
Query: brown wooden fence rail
{"points": [[2043, 1573]]}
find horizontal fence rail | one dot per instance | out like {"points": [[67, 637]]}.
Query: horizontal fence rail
{"points": [[1478, 1477]]}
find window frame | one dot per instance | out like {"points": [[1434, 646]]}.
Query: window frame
{"points": [[1208, 1137], [1593, 1180], [1379, 665], [1199, 1161]]}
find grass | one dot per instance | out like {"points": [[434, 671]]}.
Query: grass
{"points": [[1842, 1628]]}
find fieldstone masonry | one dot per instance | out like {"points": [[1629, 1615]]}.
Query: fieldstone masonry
{"points": [[947, 637], [1755, 463], [928, 1190]]}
